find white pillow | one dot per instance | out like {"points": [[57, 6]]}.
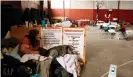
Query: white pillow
{"points": [[15, 54]]}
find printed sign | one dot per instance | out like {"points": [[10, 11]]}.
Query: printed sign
{"points": [[71, 36], [74, 37], [51, 37]]}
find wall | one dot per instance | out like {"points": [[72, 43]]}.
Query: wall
{"points": [[126, 11], [84, 9], [30, 4], [72, 9], [105, 6], [26, 4]]}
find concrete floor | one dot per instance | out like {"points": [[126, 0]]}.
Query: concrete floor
{"points": [[101, 52]]}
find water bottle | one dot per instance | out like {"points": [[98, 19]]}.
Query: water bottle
{"points": [[43, 23], [36, 75]]}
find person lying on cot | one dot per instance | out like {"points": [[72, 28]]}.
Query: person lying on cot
{"points": [[29, 50], [30, 43]]}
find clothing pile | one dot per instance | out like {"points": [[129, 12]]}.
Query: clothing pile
{"points": [[59, 61], [11, 65], [68, 59]]}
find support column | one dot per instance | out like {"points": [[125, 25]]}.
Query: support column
{"points": [[118, 9]]}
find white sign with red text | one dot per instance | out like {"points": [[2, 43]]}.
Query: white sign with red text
{"points": [[74, 37]]}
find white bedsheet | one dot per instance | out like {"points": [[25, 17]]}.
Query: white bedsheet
{"points": [[27, 57]]}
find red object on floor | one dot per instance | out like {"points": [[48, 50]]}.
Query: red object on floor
{"points": [[124, 26]]}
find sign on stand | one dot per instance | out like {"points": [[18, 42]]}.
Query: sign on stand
{"points": [[71, 36], [76, 38], [51, 37]]}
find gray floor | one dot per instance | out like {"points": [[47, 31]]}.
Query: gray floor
{"points": [[102, 51]]}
